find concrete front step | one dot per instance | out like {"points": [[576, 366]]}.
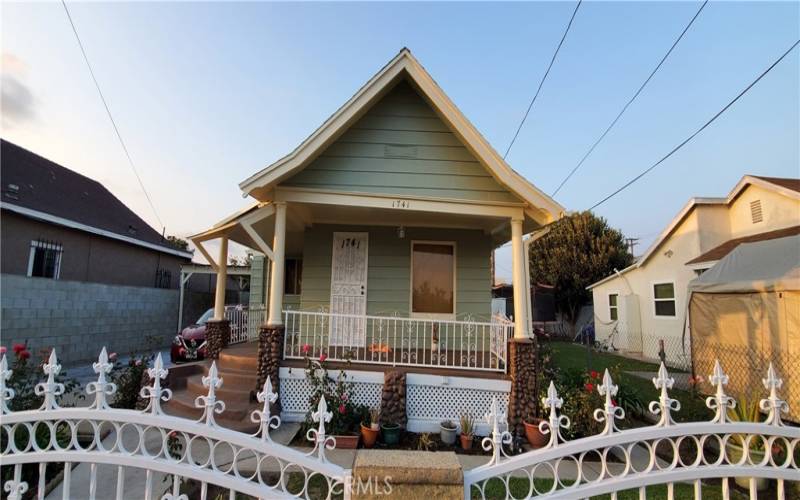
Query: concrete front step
{"points": [[241, 361], [235, 378], [235, 418]]}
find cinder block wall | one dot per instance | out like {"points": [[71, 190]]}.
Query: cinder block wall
{"points": [[79, 318]]}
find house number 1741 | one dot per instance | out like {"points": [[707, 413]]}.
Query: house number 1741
{"points": [[401, 204]]}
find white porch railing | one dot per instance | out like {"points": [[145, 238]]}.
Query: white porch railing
{"points": [[667, 453], [398, 341], [181, 458], [244, 322]]}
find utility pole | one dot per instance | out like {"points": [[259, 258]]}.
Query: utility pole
{"points": [[631, 242]]}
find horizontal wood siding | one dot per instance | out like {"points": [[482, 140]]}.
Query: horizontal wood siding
{"points": [[401, 147], [389, 273]]}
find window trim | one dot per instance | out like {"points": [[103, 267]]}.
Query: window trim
{"points": [[411, 312], [32, 255], [610, 293], [673, 299], [300, 283]]}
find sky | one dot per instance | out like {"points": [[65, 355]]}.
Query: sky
{"points": [[206, 94]]}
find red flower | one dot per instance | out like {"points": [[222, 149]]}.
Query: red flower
{"points": [[342, 408], [344, 397], [173, 434], [323, 357], [18, 348], [112, 357], [594, 374], [589, 387], [2, 349], [24, 354], [306, 348], [613, 402]]}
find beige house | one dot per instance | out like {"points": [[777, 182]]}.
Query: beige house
{"points": [[379, 230], [640, 307]]}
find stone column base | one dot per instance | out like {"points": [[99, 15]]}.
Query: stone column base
{"points": [[270, 353], [393, 399], [522, 372], [379, 474], [218, 334]]}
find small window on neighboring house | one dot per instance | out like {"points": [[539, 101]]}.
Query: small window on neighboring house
{"points": [[755, 211], [293, 277], [613, 308], [163, 278], [44, 260], [664, 298]]}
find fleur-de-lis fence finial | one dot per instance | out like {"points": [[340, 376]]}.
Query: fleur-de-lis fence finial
{"points": [[719, 402], [50, 388], [15, 488], [773, 404], [610, 412], [102, 387], [665, 405], [263, 417], [321, 441], [154, 392], [555, 422], [498, 437], [6, 393], [209, 402]]}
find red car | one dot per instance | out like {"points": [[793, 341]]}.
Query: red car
{"points": [[190, 344]]}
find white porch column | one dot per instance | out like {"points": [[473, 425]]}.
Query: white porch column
{"points": [[277, 266], [519, 280], [222, 279]]}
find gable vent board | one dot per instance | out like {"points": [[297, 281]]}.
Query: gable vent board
{"points": [[755, 211]]}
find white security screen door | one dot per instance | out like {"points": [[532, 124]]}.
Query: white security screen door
{"points": [[349, 289]]}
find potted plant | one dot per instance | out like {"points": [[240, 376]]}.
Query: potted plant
{"points": [[369, 433], [447, 432], [347, 415], [391, 433], [746, 411], [467, 431]]}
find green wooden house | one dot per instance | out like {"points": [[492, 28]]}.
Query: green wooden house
{"points": [[379, 230]]}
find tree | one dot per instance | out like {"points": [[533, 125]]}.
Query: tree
{"points": [[579, 250], [178, 243]]}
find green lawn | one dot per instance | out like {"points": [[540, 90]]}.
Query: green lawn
{"points": [[520, 487], [573, 356]]}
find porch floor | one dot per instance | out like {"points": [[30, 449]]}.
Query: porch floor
{"points": [[248, 349]]}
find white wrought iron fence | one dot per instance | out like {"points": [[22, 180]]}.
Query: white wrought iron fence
{"points": [[192, 454], [666, 453], [244, 322], [395, 340]]}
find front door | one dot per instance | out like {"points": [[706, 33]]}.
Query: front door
{"points": [[349, 289]]}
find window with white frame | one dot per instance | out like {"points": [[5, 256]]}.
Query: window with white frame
{"points": [[433, 277], [293, 276], [44, 260], [664, 299], [613, 308]]}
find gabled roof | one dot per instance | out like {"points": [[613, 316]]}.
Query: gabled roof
{"points": [[784, 186], [38, 188], [404, 65], [724, 249]]}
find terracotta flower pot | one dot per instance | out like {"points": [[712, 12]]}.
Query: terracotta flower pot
{"points": [[466, 442], [534, 435], [369, 435], [347, 442]]}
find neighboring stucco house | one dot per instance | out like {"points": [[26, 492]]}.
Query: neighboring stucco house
{"points": [[379, 230], [77, 264], [645, 303]]}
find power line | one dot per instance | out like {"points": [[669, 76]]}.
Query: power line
{"points": [[625, 108], [552, 60], [110, 117], [706, 124]]}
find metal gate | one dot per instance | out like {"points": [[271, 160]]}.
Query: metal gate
{"points": [[196, 456]]}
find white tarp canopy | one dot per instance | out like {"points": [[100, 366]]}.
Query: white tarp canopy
{"points": [[762, 266]]}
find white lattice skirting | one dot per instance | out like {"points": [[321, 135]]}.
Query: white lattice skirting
{"points": [[429, 398]]}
